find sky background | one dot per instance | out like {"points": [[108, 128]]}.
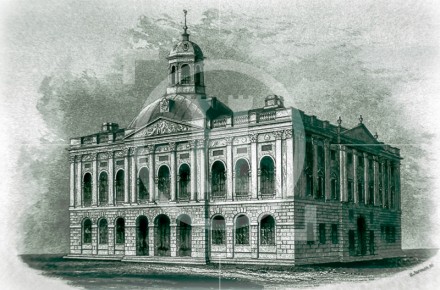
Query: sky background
{"points": [[334, 58]]}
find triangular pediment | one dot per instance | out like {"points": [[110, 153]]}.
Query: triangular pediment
{"points": [[362, 134], [161, 126]]}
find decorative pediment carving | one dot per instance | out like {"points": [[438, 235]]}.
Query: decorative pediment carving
{"points": [[162, 127]]}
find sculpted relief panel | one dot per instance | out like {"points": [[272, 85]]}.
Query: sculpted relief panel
{"points": [[162, 127]]}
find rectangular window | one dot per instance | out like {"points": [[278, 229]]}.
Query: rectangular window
{"points": [[333, 186], [333, 155], [360, 161], [310, 234], [143, 160], [351, 242], [184, 156], [322, 238], [350, 191], [103, 164], [266, 147], [87, 165], [335, 239], [119, 162], [163, 158], [217, 152], [241, 150]]}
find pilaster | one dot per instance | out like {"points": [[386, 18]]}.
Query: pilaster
{"points": [[133, 176], [193, 171], [254, 165], [72, 181], [94, 180], [229, 168], [278, 164], [126, 177], [290, 182], [327, 169], [111, 179], [151, 173], [173, 173], [355, 177], [343, 172], [79, 187]]}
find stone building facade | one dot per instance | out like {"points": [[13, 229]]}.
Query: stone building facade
{"points": [[191, 181]]}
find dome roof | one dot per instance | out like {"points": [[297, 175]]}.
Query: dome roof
{"points": [[180, 108], [186, 48]]}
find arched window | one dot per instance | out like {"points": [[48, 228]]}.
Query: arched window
{"points": [[218, 179], [184, 182], [120, 231], [143, 184], [120, 184], [242, 230], [267, 230], [163, 183], [103, 188], [173, 75], [103, 231], [186, 74], [197, 76], [218, 230], [162, 236], [87, 189], [267, 177], [242, 178], [87, 231]]}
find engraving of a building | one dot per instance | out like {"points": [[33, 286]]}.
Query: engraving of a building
{"points": [[191, 181]]}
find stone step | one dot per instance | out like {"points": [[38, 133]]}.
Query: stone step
{"points": [[165, 260]]}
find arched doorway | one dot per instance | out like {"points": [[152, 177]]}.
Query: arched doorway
{"points": [[184, 179], [162, 236], [163, 183], [362, 235], [183, 236], [142, 236]]}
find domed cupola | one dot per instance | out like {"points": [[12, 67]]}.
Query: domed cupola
{"points": [[185, 67]]}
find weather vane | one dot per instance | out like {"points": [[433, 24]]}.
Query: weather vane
{"points": [[185, 27]]}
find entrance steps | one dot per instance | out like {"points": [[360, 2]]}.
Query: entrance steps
{"points": [[165, 260]]}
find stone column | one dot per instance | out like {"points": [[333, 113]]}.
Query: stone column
{"points": [[133, 176], [315, 167], [366, 179], [151, 173], [111, 179], [382, 178], [173, 169], [298, 163], [193, 171], [388, 168], [254, 165], [95, 238], [95, 179], [290, 182], [343, 172], [126, 177], [376, 180], [202, 169], [173, 239], [151, 238], [278, 164], [355, 177], [397, 181], [327, 187], [79, 182], [72, 181], [229, 168]]}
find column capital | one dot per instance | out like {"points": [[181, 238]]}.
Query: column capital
{"points": [[253, 137], [126, 151], [193, 144], [172, 146], [228, 140], [72, 158], [110, 153], [94, 156], [131, 150], [288, 133], [150, 148], [278, 135]]}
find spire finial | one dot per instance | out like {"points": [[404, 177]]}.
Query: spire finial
{"points": [[376, 136], [339, 121], [360, 119], [185, 35]]}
